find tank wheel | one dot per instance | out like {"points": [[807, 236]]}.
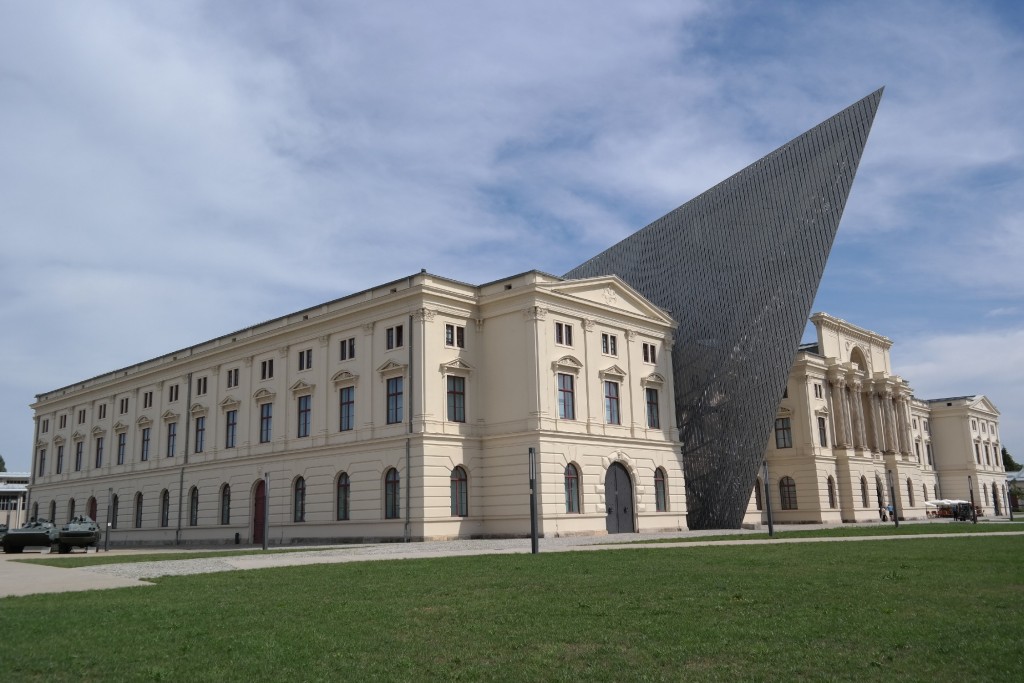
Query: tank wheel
{"points": [[63, 548], [13, 550]]}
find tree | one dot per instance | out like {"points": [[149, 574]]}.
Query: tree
{"points": [[1009, 464], [3, 465]]}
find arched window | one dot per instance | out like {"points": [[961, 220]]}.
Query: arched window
{"points": [[924, 492], [660, 493], [165, 508], [343, 497], [53, 511], [910, 492], [787, 492], [995, 498], [864, 491], [392, 495], [985, 491], [300, 500], [193, 507], [572, 489], [225, 504], [71, 509], [35, 510], [758, 495], [878, 492], [138, 510], [460, 492], [113, 511], [90, 508], [832, 493]]}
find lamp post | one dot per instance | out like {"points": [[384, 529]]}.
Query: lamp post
{"points": [[1009, 505], [768, 501], [106, 536], [892, 498], [534, 548], [970, 488]]}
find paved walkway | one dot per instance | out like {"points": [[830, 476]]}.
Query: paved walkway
{"points": [[19, 578]]}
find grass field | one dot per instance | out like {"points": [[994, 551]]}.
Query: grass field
{"points": [[913, 609], [857, 531], [93, 559]]}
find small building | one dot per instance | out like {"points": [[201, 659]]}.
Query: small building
{"points": [[851, 439], [406, 411], [13, 498]]}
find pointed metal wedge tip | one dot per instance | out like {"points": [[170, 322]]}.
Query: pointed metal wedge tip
{"points": [[739, 266]]}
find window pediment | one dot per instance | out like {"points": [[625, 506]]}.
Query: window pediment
{"points": [[229, 403], [653, 380], [143, 421], [77, 436], [263, 395], [391, 367], [457, 366], [784, 412], [169, 416], [120, 427], [58, 440], [98, 431], [345, 377], [567, 364], [302, 387], [197, 410], [613, 372], [40, 444]]}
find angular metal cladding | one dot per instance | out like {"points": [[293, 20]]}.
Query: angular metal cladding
{"points": [[738, 266]]}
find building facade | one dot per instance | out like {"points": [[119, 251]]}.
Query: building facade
{"points": [[13, 498], [850, 439], [404, 411]]}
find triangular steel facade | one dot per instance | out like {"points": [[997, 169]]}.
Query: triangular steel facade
{"points": [[738, 267]]}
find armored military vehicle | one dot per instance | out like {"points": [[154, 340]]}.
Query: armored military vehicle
{"points": [[38, 532], [80, 532]]}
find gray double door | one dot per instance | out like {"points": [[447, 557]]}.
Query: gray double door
{"points": [[618, 498]]}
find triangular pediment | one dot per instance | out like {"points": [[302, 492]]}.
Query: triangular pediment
{"points": [[143, 421], [169, 416], [609, 292], [784, 412], [120, 426], [391, 366], [98, 431], [614, 372], [301, 387], [77, 436], [567, 364], [456, 365], [981, 402], [197, 410], [654, 379], [58, 440], [229, 403]]}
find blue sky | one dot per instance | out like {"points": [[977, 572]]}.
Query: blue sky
{"points": [[170, 172]]}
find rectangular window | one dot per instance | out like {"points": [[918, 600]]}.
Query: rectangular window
{"points": [[102, 411], [650, 353], [123, 408], [147, 399], [611, 403], [305, 415], [455, 336], [81, 416], [60, 459], [231, 427], [393, 337], [201, 386], [653, 416], [927, 430], [232, 378], [566, 397], [456, 399], [306, 359], [928, 452], [200, 444], [348, 349], [394, 400], [347, 396], [977, 454], [563, 334], [609, 345], [266, 422], [783, 433], [172, 438], [42, 462], [822, 430], [63, 421], [817, 392], [122, 447], [917, 450], [172, 393], [45, 426], [78, 456], [145, 444], [267, 369], [99, 451]]}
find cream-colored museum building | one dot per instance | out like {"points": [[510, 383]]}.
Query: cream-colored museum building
{"points": [[404, 411], [849, 434]]}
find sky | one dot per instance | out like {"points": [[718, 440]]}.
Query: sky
{"points": [[172, 172]]}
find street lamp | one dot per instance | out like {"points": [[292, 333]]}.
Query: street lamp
{"points": [[892, 498], [974, 512]]}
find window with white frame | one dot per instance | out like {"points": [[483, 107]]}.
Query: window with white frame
{"points": [[609, 344], [347, 349], [563, 334], [650, 352], [454, 336], [394, 337], [306, 359]]}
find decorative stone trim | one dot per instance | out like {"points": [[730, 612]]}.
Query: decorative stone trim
{"points": [[457, 366], [197, 410], [344, 377], [391, 367], [169, 416], [301, 388], [653, 380], [567, 364], [263, 395], [229, 403], [613, 372], [120, 427], [143, 421], [98, 431]]}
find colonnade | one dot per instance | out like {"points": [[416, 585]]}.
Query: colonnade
{"points": [[870, 414]]}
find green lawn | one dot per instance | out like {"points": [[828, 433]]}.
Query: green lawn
{"points": [[849, 530], [92, 559], [915, 609]]}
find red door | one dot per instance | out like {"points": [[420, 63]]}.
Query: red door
{"points": [[259, 517]]}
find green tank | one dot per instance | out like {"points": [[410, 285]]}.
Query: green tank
{"points": [[80, 532], [38, 532]]}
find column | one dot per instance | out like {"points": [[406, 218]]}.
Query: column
{"points": [[837, 409]]}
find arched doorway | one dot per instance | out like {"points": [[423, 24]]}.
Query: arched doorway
{"points": [[259, 511], [618, 498], [995, 499], [91, 509]]}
